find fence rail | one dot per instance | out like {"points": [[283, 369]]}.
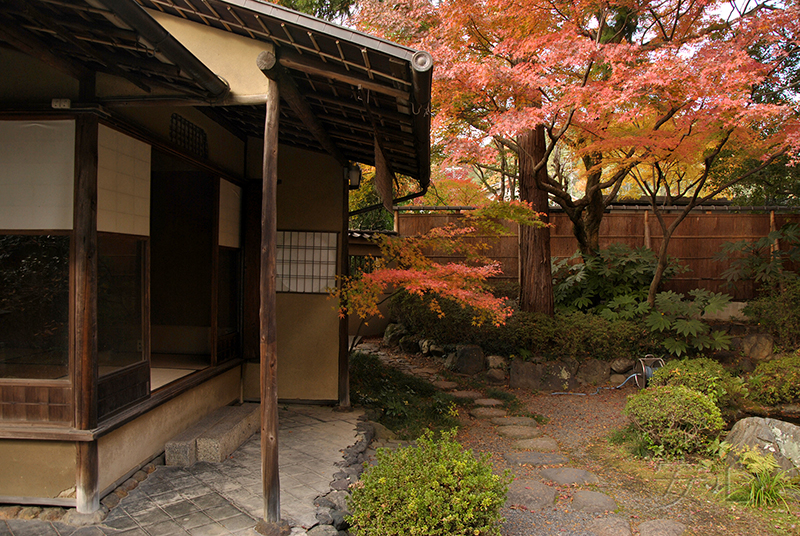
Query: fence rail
{"points": [[698, 238]]}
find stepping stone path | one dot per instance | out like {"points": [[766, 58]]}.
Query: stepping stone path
{"points": [[472, 395], [537, 443], [542, 452], [535, 458], [485, 413], [488, 402], [518, 432]]}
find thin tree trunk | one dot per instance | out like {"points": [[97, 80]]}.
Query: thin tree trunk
{"points": [[536, 281]]}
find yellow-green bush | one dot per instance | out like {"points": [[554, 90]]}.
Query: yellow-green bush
{"points": [[674, 419], [433, 488]]}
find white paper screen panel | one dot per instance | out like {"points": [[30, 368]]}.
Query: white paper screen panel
{"points": [[123, 183], [230, 213], [306, 261], [37, 174]]}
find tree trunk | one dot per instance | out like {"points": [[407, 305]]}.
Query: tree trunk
{"points": [[536, 281]]}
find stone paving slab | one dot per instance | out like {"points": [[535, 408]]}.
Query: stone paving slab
{"points": [[531, 494], [543, 443], [484, 413], [568, 476], [471, 395], [518, 432], [535, 458], [225, 499], [488, 402], [593, 502], [515, 421]]}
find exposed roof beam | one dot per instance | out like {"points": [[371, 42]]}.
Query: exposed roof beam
{"points": [[307, 64], [268, 64], [31, 45]]}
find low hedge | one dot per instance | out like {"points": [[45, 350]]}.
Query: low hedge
{"points": [[576, 335]]}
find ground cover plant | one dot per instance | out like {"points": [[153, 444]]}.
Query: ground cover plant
{"points": [[777, 381], [433, 488], [405, 404]]}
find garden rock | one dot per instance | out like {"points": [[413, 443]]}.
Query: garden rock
{"points": [[531, 494], [496, 362], [621, 365], [323, 530], [488, 402], [425, 346], [525, 375], [781, 439], [593, 502], [569, 476], [450, 361], [593, 372], [758, 346], [409, 344], [469, 359], [548, 376], [661, 527], [496, 376], [610, 526], [617, 379], [393, 333], [445, 385]]}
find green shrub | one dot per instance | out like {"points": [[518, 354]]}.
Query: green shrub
{"points": [[779, 312], [616, 271], [676, 420], [433, 488], [704, 375], [577, 335], [777, 381]]}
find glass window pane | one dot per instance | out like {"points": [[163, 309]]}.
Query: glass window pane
{"points": [[119, 301], [34, 306]]}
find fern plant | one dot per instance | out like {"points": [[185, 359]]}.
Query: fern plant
{"points": [[680, 320], [766, 484]]}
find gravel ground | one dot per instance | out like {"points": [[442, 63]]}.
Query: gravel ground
{"points": [[643, 490]]}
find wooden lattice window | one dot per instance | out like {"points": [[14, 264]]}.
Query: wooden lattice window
{"points": [[306, 261], [189, 136]]}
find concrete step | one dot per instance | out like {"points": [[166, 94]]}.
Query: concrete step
{"points": [[215, 436]]}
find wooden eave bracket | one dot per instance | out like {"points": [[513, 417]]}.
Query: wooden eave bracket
{"points": [[268, 64]]}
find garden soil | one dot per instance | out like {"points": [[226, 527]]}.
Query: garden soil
{"points": [[644, 490]]}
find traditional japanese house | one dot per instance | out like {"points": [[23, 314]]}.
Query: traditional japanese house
{"points": [[173, 207]]}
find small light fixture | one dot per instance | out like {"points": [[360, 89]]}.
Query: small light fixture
{"points": [[352, 174]]}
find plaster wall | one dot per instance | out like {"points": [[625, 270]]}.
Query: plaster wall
{"points": [[228, 55], [310, 198], [225, 150], [37, 174], [130, 446], [230, 214], [36, 469]]}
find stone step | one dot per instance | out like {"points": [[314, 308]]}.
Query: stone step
{"points": [[215, 436]]}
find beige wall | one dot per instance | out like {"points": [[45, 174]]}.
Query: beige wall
{"points": [[132, 445], [36, 469], [310, 198], [224, 149]]}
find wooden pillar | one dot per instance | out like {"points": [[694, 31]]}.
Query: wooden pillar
{"points": [[344, 347], [268, 324], [84, 272], [647, 240]]}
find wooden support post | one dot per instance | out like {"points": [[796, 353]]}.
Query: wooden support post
{"points": [[268, 340], [84, 259], [344, 347], [647, 240]]}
